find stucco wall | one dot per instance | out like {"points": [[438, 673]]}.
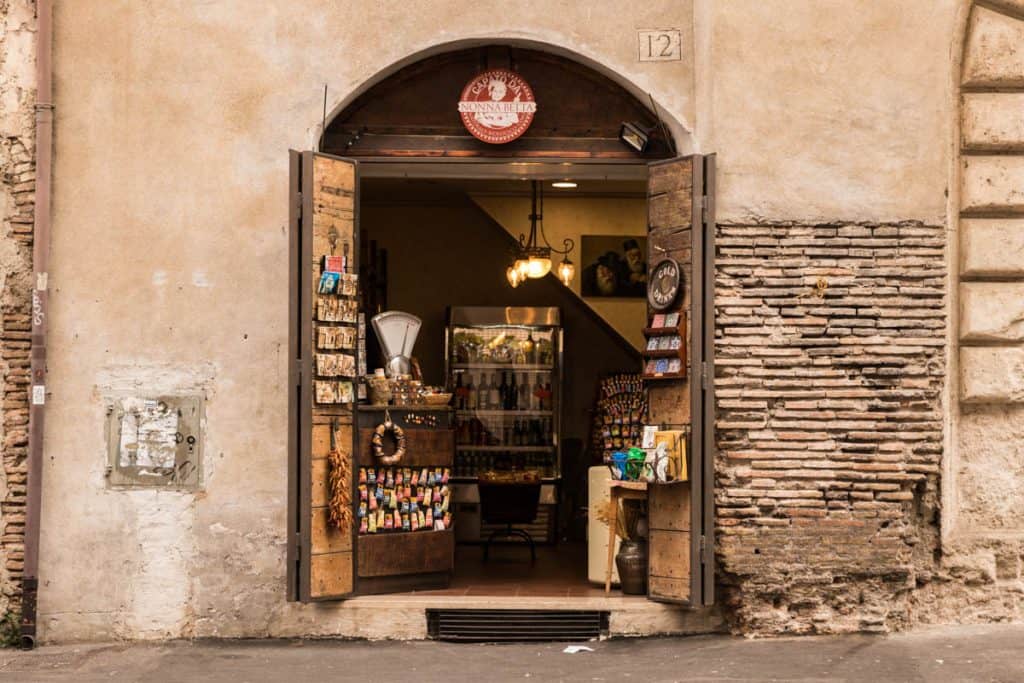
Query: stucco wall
{"points": [[169, 269], [169, 273]]}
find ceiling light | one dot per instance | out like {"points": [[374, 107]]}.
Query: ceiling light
{"points": [[566, 271], [533, 253], [564, 184]]}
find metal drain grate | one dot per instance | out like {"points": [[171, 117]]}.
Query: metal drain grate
{"points": [[511, 625]]}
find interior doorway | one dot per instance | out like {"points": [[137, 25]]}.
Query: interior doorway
{"points": [[433, 245], [406, 212]]}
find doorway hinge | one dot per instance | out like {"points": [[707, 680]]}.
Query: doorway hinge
{"points": [[298, 205], [705, 208], [702, 550], [298, 373], [704, 375]]}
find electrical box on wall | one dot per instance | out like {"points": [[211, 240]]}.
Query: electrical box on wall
{"points": [[155, 442]]}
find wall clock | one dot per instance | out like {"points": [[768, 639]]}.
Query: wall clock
{"points": [[665, 284]]}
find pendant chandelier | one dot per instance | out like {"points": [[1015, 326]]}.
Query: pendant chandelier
{"points": [[533, 260]]}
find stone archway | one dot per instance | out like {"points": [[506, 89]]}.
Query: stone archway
{"points": [[415, 67], [983, 482]]}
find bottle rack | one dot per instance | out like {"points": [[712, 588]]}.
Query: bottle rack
{"points": [[664, 353]]}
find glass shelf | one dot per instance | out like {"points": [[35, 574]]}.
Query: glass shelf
{"points": [[503, 449], [524, 367], [501, 412]]}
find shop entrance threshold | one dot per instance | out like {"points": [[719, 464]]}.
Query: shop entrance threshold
{"points": [[404, 615]]}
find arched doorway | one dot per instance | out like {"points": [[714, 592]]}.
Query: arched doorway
{"points": [[403, 137]]}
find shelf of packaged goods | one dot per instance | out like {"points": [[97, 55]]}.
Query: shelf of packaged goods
{"points": [[489, 412], [503, 449], [525, 367]]}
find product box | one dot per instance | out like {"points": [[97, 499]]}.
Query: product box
{"points": [[671, 444]]}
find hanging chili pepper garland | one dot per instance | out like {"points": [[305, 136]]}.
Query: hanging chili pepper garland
{"points": [[340, 505]]}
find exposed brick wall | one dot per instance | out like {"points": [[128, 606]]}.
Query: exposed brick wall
{"points": [[829, 422], [17, 187]]}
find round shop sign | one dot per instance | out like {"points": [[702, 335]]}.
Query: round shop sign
{"points": [[497, 106]]}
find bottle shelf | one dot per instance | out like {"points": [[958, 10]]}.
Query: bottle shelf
{"points": [[491, 412], [503, 449], [504, 366]]}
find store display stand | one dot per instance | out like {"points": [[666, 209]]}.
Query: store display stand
{"points": [[664, 353], [393, 560]]}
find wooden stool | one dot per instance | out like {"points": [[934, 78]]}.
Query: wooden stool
{"points": [[619, 490]]}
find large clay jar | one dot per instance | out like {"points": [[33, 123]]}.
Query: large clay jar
{"points": [[631, 561]]}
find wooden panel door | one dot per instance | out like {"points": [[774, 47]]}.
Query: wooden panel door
{"points": [[323, 211], [680, 567]]}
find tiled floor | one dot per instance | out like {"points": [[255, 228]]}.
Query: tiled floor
{"points": [[560, 571]]}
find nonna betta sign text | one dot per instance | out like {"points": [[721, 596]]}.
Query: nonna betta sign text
{"points": [[497, 106]]}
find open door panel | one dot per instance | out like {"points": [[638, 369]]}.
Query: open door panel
{"points": [[679, 515], [324, 360]]}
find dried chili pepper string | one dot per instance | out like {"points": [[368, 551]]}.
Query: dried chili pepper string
{"points": [[340, 464]]}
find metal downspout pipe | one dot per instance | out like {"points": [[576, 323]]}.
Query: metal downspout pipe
{"points": [[40, 310]]}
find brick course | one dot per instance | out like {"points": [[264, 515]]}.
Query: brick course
{"points": [[830, 343]]}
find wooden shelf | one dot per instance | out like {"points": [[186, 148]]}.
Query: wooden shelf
{"points": [[665, 375], [663, 353], [663, 331]]}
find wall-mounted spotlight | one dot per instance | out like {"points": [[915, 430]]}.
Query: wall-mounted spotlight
{"points": [[634, 136]]}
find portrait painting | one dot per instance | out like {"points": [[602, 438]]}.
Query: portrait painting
{"points": [[614, 266]]}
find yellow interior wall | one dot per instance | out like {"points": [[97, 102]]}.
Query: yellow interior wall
{"points": [[574, 217]]}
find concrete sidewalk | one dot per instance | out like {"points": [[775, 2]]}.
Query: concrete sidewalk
{"points": [[973, 653]]}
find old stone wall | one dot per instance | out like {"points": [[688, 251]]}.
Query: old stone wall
{"points": [[17, 185], [980, 576], [830, 353]]}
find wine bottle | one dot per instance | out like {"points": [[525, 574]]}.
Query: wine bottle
{"points": [[484, 393], [503, 392], [513, 395], [471, 393], [494, 400]]}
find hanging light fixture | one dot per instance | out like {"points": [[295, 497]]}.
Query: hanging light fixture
{"points": [[566, 271], [533, 259]]}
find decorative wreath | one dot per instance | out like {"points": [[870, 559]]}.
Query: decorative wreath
{"points": [[377, 442]]}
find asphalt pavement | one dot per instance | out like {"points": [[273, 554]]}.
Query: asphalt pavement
{"points": [[967, 653]]}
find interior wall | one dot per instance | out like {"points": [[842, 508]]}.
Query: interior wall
{"points": [[573, 217]]}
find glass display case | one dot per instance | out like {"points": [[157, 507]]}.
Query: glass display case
{"points": [[504, 369]]}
